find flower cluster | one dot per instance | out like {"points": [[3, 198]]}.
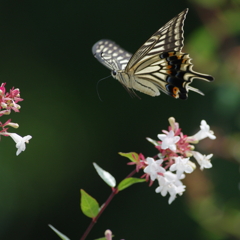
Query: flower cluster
{"points": [[9, 101], [173, 159]]}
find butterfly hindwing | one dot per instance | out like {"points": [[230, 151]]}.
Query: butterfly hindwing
{"points": [[170, 72]]}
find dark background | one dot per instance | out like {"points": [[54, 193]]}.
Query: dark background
{"points": [[45, 50]]}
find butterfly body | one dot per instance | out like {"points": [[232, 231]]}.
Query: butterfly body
{"points": [[158, 65]]}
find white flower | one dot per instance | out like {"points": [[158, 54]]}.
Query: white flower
{"points": [[20, 142], [204, 132], [169, 140], [153, 168], [203, 160], [182, 165], [169, 183]]}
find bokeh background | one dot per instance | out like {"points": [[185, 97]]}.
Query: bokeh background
{"points": [[45, 50]]}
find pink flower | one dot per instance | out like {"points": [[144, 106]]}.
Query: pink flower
{"points": [[8, 101]]}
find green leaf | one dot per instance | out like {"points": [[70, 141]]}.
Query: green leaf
{"points": [[106, 176], [62, 236], [127, 182], [89, 205], [131, 156]]}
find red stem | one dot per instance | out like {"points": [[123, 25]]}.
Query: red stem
{"points": [[94, 220]]}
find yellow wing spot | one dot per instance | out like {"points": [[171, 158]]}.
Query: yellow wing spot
{"points": [[171, 54]]}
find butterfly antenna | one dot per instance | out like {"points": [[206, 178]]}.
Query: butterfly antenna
{"points": [[97, 87]]}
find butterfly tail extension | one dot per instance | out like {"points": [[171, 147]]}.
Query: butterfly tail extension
{"points": [[190, 75], [195, 90], [202, 76]]}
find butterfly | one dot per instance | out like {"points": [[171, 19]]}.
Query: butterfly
{"points": [[159, 64]]}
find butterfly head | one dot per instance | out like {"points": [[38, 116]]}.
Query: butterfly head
{"points": [[114, 73]]}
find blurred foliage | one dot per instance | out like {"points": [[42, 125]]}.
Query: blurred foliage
{"points": [[46, 52]]}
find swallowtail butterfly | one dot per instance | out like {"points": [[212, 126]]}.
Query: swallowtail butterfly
{"points": [[159, 64]]}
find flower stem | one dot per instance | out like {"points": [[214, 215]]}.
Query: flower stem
{"points": [[94, 220]]}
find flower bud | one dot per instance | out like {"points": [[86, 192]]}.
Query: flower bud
{"points": [[14, 125]]}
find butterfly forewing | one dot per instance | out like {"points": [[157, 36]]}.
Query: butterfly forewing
{"points": [[111, 55], [167, 38]]}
